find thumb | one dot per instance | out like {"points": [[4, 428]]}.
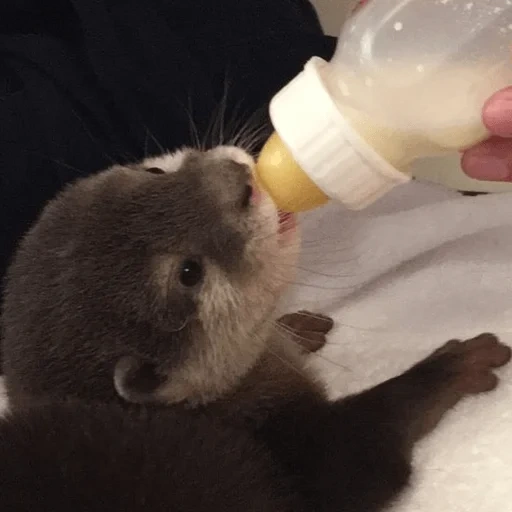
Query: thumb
{"points": [[497, 113], [491, 160]]}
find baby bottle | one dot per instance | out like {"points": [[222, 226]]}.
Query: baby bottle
{"points": [[409, 79]]}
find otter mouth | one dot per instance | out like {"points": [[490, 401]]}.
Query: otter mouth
{"points": [[286, 222]]}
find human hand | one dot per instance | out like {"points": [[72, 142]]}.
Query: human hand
{"points": [[492, 159]]}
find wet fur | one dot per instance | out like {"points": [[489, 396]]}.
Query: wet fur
{"points": [[96, 323]]}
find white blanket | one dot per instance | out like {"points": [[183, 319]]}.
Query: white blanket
{"points": [[421, 266]]}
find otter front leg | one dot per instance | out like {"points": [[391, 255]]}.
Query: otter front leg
{"points": [[420, 397], [307, 329], [367, 463]]}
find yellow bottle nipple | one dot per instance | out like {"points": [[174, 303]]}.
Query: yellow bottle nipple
{"points": [[285, 182]]}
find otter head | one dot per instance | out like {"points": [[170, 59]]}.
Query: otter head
{"points": [[155, 281]]}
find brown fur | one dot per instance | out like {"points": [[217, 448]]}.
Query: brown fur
{"points": [[96, 280], [96, 316], [274, 445]]}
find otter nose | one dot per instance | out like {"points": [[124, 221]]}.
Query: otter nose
{"points": [[247, 194], [233, 184], [241, 185], [250, 194]]}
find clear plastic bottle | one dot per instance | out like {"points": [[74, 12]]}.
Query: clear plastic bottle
{"points": [[408, 79]]}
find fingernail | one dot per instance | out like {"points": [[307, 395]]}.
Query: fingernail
{"points": [[497, 114], [487, 168]]}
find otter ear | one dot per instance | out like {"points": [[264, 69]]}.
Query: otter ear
{"points": [[136, 380]]}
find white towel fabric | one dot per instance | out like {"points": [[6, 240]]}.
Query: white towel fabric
{"points": [[419, 267]]}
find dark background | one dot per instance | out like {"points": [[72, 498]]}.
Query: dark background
{"points": [[85, 83]]}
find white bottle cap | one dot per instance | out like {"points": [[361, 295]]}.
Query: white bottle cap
{"points": [[324, 144]]}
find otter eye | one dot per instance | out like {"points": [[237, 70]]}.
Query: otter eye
{"points": [[191, 273], [155, 170]]}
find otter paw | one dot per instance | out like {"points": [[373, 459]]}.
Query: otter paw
{"points": [[307, 329], [472, 362]]}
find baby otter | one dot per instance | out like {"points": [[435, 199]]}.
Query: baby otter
{"points": [[177, 261], [145, 370]]}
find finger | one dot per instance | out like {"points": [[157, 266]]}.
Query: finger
{"points": [[497, 113], [491, 160]]}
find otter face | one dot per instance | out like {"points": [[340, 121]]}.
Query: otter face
{"points": [[177, 262]]}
